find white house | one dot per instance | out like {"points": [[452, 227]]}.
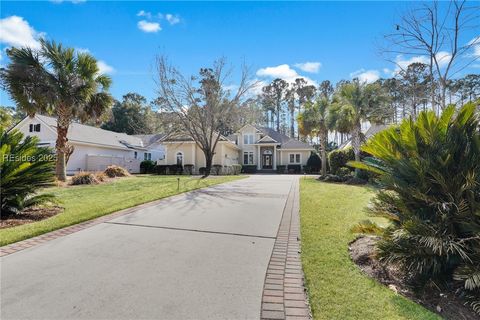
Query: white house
{"points": [[95, 148]]}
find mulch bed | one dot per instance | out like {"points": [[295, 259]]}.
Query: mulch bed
{"points": [[29, 215], [445, 303]]}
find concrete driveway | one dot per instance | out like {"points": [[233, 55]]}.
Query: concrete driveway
{"points": [[199, 255]]}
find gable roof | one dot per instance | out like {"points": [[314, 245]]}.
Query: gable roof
{"points": [[148, 139], [83, 133], [285, 141]]}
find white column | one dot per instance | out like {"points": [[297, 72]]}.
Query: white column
{"points": [[274, 157], [258, 161]]}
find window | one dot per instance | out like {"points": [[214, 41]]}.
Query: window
{"points": [[248, 139], [147, 156], [35, 127], [135, 155], [179, 159], [294, 158], [248, 158]]}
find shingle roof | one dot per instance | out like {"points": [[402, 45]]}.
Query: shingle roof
{"points": [[83, 133], [285, 141], [148, 139]]}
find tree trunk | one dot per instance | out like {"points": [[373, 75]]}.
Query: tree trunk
{"points": [[323, 150], [61, 148], [208, 162], [278, 117], [356, 142], [292, 123]]}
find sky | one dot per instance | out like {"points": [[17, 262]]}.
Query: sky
{"points": [[316, 40]]}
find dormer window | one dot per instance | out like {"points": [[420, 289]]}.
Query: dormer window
{"points": [[34, 127], [248, 138]]}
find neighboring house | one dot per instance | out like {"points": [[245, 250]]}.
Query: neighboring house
{"points": [[264, 148], [367, 134], [95, 148]]}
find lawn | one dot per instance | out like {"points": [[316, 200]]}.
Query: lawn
{"points": [[337, 288], [84, 203]]}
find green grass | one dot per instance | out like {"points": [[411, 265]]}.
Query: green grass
{"points": [[336, 286], [84, 203]]}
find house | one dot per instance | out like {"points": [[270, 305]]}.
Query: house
{"points": [[262, 147], [367, 133], [95, 148]]}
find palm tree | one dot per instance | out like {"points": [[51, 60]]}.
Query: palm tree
{"points": [[57, 80], [358, 102], [314, 121]]}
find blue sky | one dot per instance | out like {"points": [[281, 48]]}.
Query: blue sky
{"points": [[317, 40]]}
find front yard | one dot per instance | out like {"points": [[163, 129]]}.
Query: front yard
{"points": [[336, 286], [84, 203]]}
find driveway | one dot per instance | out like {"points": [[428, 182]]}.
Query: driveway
{"points": [[199, 255]]}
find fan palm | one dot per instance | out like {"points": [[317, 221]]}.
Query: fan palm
{"points": [[358, 102], [57, 80], [313, 120], [430, 172], [24, 168]]}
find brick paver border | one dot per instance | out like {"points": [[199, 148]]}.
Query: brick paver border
{"points": [[284, 295]]}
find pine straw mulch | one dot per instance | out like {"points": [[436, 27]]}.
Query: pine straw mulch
{"points": [[29, 215], [445, 303]]}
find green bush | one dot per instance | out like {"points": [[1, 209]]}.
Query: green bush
{"points": [[25, 168], [147, 166], [314, 163], [114, 171], [249, 168], [344, 171], [161, 169], [294, 168], [430, 173], [188, 169], [236, 169], [338, 159], [217, 169], [175, 169], [84, 178], [281, 169]]}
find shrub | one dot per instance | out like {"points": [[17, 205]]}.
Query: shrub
{"points": [[249, 168], [314, 163], [175, 169], [114, 171], [236, 169], [344, 171], [216, 169], [202, 170], [294, 168], [84, 178], [281, 169], [339, 158], [147, 166], [430, 172], [24, 169], [188, 169], [101, 176], [161, 169]]}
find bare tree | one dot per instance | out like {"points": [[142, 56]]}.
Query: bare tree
{"points": [[201, 104], [438, 34]]}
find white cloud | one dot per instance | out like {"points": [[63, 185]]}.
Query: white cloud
{"points": [[403, 63], [143, 13], [15, 31], [104, 68], [146, 26], [72, 1], [475, 43], [172, 19], [367, 76], [311, 67], [284, 72]]}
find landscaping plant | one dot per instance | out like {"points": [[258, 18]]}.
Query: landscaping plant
{"points": [[429, 171], [114, 171], [24, 169]]}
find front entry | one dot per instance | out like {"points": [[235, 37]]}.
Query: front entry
{"points": [[267, 162]]}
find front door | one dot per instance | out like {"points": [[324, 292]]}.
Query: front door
{"points": [[267, 161]]}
